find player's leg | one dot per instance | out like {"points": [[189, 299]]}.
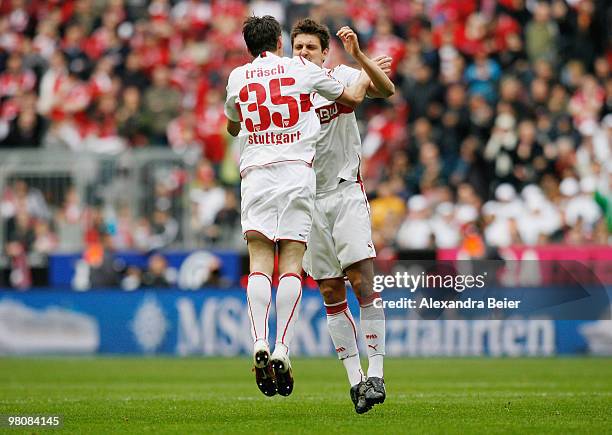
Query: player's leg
{"points": [[353, 240], [343, 332], [372, 322], [342, 327], [295, 205], [288, 297], [259, 297]]}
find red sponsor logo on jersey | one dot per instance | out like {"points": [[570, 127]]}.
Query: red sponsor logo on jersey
{"points": [[332, 111]]}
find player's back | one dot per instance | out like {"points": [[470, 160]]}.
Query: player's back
{"points": [[271, 98]]}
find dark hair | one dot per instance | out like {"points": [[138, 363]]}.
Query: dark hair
{"points": [[311, 27], [261, 34]]}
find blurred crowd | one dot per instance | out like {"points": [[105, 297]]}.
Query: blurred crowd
{"points": [[499, 133]]}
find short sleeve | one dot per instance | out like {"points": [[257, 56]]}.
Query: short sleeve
{"points": [[230, 109], [321, 82]]}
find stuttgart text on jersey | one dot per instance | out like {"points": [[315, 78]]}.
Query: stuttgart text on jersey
{"points": [[269, 138]]}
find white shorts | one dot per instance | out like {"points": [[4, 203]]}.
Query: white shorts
{"points": [[341, 232], [277, 201]]}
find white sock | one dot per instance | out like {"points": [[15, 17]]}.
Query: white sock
{"points": [[344, 335], [259, 296], [288, 297], [373, 328]]}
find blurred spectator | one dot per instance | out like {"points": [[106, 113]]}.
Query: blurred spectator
{"points": [[45, 241], [20, 196], [24, 131], [579, 205], [482, 76], [541, 33], [421, 92], [102, 131], [210, 127], [130, 121], [226, 231], [16, 79], [132, 73], [415, 232], [100, 268], [68, 221], [158, 275], [161, 103], [445, 228], [20, 234], [206, 196], [164, 230], [183, 137]]}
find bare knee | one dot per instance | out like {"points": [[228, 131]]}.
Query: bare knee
{"points": [[361, 276], [290, 255], [261, 253], [332, 290]]}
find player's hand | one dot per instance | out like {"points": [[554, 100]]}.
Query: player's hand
{"points": [[384, 63], [349, 40]]}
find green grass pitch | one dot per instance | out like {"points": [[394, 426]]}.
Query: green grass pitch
{"points": [[184, 396]]}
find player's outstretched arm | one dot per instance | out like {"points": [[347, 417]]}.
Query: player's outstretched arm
{"points": [[384, 62], [383, 86]]}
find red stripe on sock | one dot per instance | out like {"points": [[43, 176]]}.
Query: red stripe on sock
{"points": [[285, 275], [291, 316], [252, 319], [267, 310], [352, 324], [335, 309], [262, 274]]}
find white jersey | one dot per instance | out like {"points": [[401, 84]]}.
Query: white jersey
{"points": [[339, 143], [271, 98]]}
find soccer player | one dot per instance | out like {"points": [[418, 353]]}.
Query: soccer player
{"points": [[340, 243], [269, 108]]}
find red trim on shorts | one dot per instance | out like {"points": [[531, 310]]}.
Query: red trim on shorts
{"points": [[309, 164], [335, 309], [291, 316], [284, 275], [259, 232], [352, 323], [364, 302], [360, 181], [365, 197], [260, 273], [292, 240]]}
